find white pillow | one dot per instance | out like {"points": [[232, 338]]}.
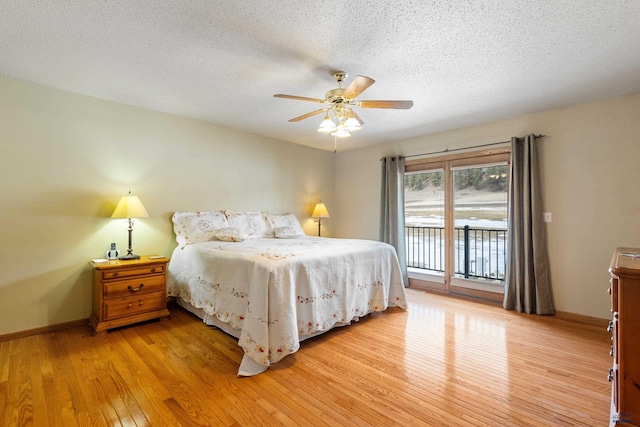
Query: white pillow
{"points": [[286, 220], [193, 227], [287, 233], [254, 224], [231, 234]]}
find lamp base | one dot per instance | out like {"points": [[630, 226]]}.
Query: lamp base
{"points": [[129, 257]]}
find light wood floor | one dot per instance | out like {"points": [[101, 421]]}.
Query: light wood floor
{"points": [[445, 362]]}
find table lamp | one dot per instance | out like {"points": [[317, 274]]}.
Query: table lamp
{"points": [[130, 207], [320, 211]]}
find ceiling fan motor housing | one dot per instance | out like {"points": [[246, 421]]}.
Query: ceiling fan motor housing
{"points": [[334, 96]]}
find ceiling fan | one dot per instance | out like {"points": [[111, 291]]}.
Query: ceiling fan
{"points": [[340, 103]]}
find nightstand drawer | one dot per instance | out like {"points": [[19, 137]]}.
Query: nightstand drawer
{"points": [[140, 271], [128, 306], [141, 285]]}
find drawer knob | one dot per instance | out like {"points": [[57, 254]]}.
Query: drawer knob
{"points": [[140, 302], [115, 274], [129, 305], [132, 289], [153, 270]]}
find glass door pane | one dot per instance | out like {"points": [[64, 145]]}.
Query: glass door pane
{"points": [[480, 221], [424, 220]]}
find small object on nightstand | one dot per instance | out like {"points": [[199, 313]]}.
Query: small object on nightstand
{"points": [[128, 292], [113, 253]]}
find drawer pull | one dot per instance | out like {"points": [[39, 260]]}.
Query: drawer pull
{"points": [[140, 304], [153, 270], [132, 289], [610, 377], [611, 352], [115, 274], [610, 326]]}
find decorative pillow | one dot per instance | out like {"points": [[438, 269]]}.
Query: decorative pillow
{"points": [[287, 220], [231, 234], [193, 227], [287, 233], [254, 224]]}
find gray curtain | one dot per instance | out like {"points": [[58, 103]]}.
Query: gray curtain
{"points": [[528, 286], [392, 209]]}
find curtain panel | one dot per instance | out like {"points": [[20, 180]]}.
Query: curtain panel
{"points": [[392, 209], [528, 285]]}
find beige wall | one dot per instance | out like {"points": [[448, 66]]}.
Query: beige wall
{"points": [[66, 159], [591, 183]]}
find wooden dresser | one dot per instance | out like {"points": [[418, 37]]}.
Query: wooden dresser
{"points": [[127, 292], [625, 330]]}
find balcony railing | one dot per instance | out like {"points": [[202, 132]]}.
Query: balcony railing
{"points": [[479, 253]]}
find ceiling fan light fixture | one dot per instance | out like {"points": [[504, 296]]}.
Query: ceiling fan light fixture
{"points": [[341, 132], [327, 125], [352, 124]]}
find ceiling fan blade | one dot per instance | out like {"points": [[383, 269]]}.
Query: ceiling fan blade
{"points": [[301, 98], [357, 86], [306, 116], [399, 105]]}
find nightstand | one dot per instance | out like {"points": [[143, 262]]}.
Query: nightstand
{"points": [[127, 292]]}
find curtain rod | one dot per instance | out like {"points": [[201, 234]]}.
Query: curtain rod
{"points": [[446, 150]]}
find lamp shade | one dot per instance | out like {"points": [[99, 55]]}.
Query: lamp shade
{"points": [[341, 132], [352, 124], [130, 206], [320, 211], [327, 125]]}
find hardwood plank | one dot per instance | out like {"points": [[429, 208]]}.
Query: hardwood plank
{"points": [[445, 362], [4, 360], [183, 383]]}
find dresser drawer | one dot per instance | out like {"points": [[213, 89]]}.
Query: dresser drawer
{"points": [[128, 306], [131, 272], [141, 285]]}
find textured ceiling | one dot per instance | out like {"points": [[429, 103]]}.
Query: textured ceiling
{"points": [[461, 62]]}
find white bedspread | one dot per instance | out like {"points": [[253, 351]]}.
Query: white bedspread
{"points": [[277, 292]]}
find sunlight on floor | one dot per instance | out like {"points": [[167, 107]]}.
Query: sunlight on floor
{"points": [[435, 336]]}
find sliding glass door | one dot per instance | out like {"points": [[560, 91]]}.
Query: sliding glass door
{"points": [[455, 223]]}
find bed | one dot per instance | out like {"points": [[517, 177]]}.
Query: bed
{"points": [[259, 278]]}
